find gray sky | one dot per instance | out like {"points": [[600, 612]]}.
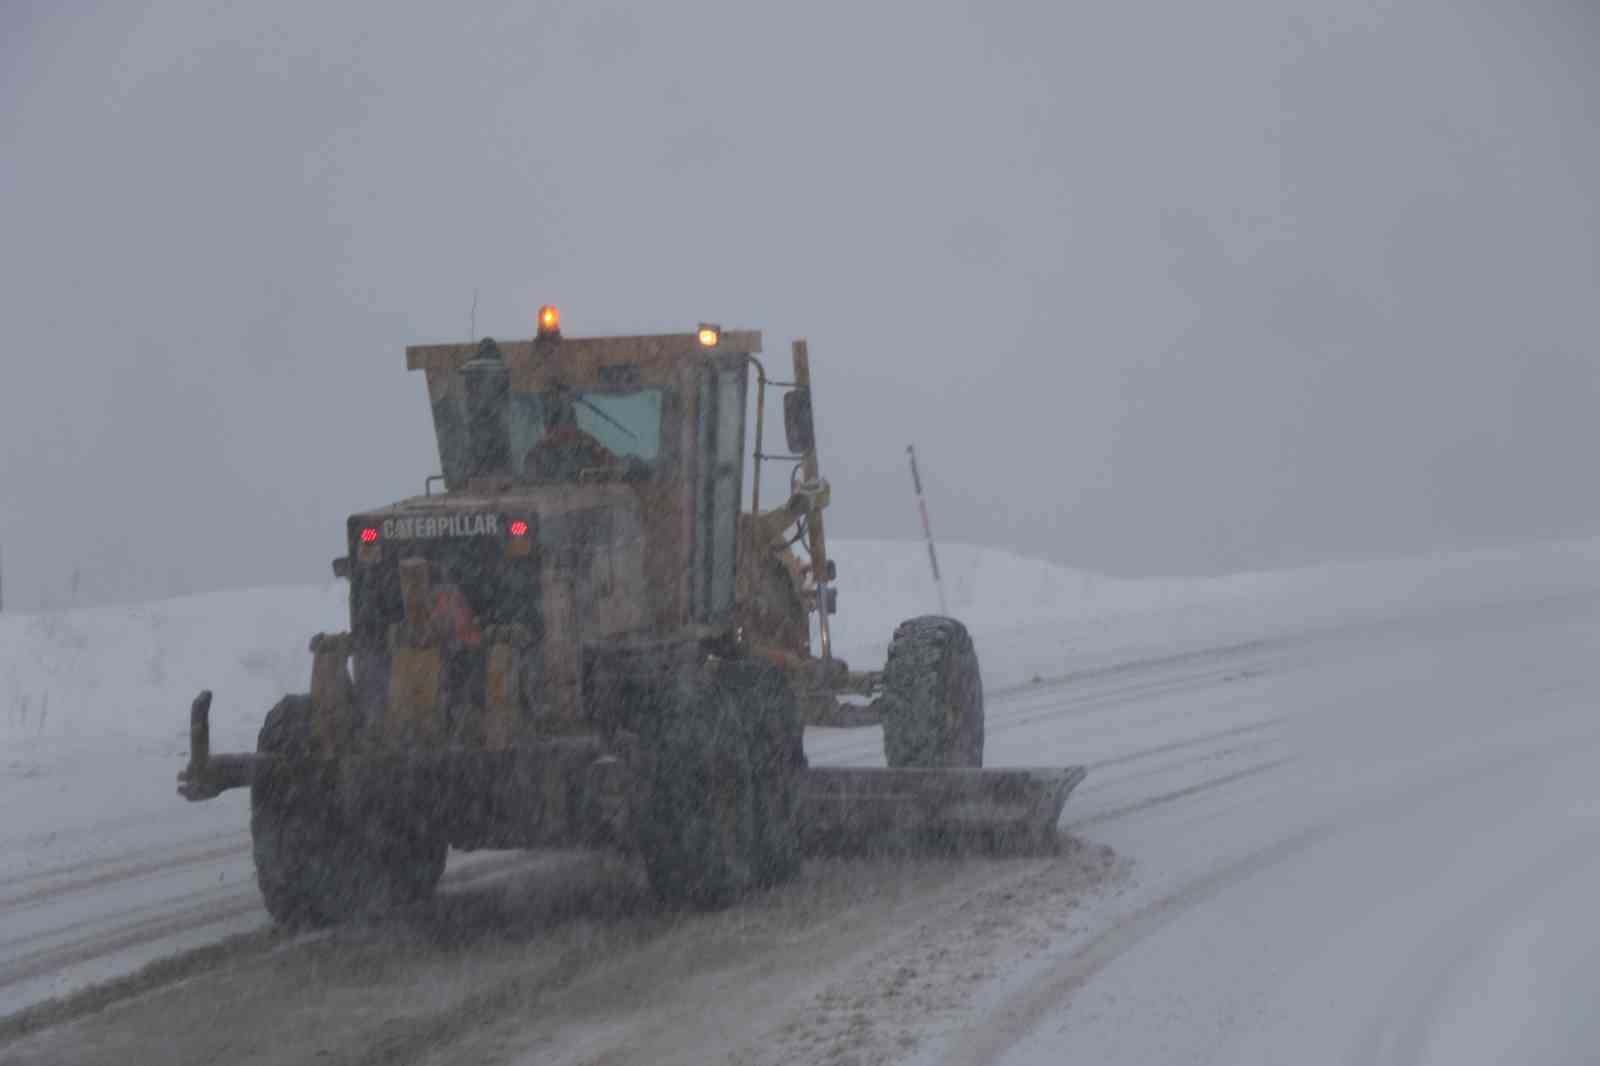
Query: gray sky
{"points": [[1160, 287]]}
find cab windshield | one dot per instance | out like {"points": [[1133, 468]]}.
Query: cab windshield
{"points": [[578, 435]]}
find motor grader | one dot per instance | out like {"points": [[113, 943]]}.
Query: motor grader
{"points": [[582, 639]]}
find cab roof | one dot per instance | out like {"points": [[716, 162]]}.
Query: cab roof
{"points": [[528, 354]]}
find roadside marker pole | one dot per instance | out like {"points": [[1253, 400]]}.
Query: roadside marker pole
{"points": [[927, 530]]}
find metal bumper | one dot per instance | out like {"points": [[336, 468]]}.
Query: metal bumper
{"points": [[208, 776], [554, 792]]}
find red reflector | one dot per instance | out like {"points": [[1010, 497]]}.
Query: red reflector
{"points": [[519, 529], [369, 536]]}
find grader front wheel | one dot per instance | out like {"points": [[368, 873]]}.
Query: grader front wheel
{"points": [[313, 867], [778, 757], [933, 696], [697, 826]]}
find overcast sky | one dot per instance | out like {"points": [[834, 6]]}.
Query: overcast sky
{"points": [[1155, 288]]}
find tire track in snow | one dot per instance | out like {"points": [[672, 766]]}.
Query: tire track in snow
{"points": [[1023, 1011], [135, 934], [1155, 662], [1400, 1036], [1232, 752], [1095, 702], [1050, 991], [1181, 745], [159, 974], [112, 873], [98, 829], [1140, 805], [123, 857], [425, 983], [849, 991], [140, 932]]}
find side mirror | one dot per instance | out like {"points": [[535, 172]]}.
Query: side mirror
{"points": [[797, 425]]}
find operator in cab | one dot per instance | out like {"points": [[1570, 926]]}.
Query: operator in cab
{"points": [[565, 450]]}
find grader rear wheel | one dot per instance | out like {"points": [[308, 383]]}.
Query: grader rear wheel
{"points": [[778, 755], [933, 696], [697, 826], [313, 868]]}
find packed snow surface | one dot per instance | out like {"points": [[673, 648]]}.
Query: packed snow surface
{"points": [[1354, 807]]}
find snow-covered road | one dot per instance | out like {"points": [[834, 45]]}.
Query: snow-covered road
{"points": [[1408, 885], [1314, 837]]}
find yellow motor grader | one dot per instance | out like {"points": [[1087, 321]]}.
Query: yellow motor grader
{"points": [[582, 639]]}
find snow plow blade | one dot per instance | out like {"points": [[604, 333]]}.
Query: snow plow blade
{"points": [[875, 809]]}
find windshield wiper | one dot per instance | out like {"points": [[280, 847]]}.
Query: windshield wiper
{"points": [[605, 416]]}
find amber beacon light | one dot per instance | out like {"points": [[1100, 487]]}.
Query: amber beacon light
{"points": [[549, 320]]}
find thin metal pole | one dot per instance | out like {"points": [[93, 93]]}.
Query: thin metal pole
{"points": [[819, 544], [761, 417], [927, 528]]}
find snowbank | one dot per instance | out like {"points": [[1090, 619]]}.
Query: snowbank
{"points": [[122, 677], [1091, 619]]}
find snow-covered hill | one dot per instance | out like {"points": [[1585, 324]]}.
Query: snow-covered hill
{"points": [[1092, 616]]}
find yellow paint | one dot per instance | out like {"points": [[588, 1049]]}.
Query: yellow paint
{"points": [[331, 699], [500, 718], [414, 714]]}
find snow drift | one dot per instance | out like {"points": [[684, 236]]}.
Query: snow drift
{"points": [[122, 677]]}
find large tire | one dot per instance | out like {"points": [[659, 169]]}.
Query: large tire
{"points": [[312, 867], [697, 825], [933, 696], [778, 756]]}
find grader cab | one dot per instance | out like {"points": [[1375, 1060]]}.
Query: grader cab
{"points": [[583, 639]]}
